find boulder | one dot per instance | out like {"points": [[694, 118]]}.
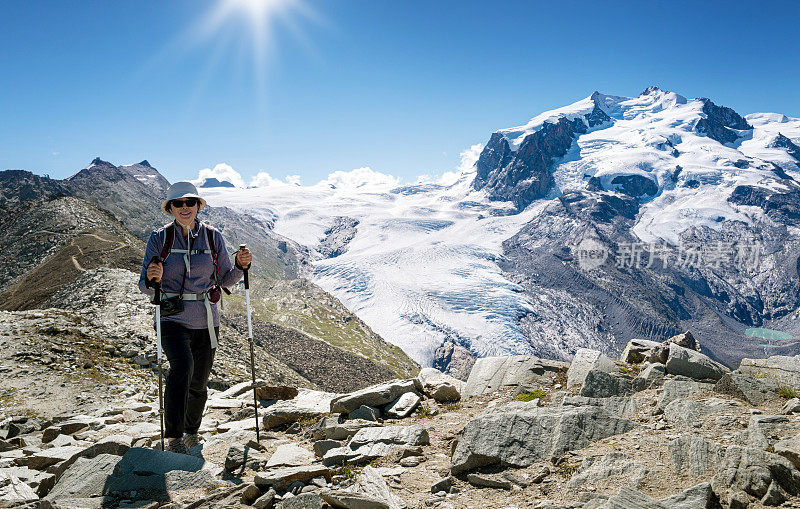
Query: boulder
{"points": [[693, 364], [48, 457], [742, 386], [290, 455], [784, 370], [596, 469], [442, 388], [685, 340], [586, 360], [243, 456], [599, 384], [332, 428], [307, 404], [791, 407], [621, 407], [789, 448], [303, 501], [85, 478], [12, 489], [694, 455], [321, 447], [372, 443], [282, 478], [40, 482], [652, 375], [366, 413], [371, 484], [685, 413], [347, 500], [520, 434], [403, 406], [490, 374], [280, 392], [637, 350], [697, 497], [756, 473], [374, 396], [681, 387], [762, 431]]}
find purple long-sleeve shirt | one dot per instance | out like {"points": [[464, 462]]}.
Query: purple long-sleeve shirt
{"points": [[198, 280]]}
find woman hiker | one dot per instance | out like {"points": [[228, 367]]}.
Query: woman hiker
{"points": [[191, 276]]}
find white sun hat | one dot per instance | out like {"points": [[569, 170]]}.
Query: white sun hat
{"points": [[180, 190]]}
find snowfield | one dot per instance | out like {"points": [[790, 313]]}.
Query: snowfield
{"points": [[421, 268]]}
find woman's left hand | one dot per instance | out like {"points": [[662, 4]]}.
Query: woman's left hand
{"points": [[244, 258]]}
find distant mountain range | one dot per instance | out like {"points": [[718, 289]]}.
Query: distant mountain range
{"points": [[680, 197], [591, 224]]}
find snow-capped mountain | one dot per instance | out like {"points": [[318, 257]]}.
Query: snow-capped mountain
{"points": [[488, 259]]}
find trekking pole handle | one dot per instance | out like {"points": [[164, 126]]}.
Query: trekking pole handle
{"points": [[246, 278], [156, 282]]}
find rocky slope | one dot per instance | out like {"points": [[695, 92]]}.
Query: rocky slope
{"points": [[664, 428]]}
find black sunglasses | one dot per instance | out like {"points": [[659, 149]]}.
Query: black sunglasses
{"points": [[189, 202]]}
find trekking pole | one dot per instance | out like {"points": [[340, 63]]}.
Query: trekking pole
{"points": [[250, 339], [157, 302]]}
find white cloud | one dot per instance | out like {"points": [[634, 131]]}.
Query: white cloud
{"points": [[469, 157], [220, 172], [362, 179], [264, 179]]}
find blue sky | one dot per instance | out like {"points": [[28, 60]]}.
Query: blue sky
{"points": [[401, 87]]}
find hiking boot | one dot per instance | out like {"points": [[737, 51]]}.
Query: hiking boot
{"points": [[191, 440], [176, 445]]}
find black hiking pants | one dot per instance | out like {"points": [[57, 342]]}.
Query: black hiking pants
{"points": [[190, 357]]}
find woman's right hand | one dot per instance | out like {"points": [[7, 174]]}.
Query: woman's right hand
{"points": [[154, 271]]}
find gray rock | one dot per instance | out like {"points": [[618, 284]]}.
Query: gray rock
{"points": [[685, 413], [490, 374], [695, 455], [349, 500], [442, 485], [681, 387], [85, 478], [789, 448], [620, 407], [303, 501], [599, 384], [637, 350], [651, 376], [307, 404], [693, 364], [331, 428], [520, 434], [282, 478], [290, 455], [481, 481], [791, 407], [442, 388], [12, 489], [403, 406], [696, 497], [783, 369], [265, 501], [323, 446], [236, 456], [375, 396], [371, 484], [762, 430], [629, 498], [416, 434], [366, 413], [595, 469], [739, 385], [48, 457], [752, 471], [684, 340], [41, 482], [586, 360]]}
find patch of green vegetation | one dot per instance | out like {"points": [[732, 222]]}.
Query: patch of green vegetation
{"points": [[423, 412], [346, 471], [530, 396], [567, 469], [787, 392], [452, 407], [630, 369]]}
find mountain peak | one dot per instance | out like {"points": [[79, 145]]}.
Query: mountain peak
{"points": [[99, 162], [652, 89], [145, 163]]}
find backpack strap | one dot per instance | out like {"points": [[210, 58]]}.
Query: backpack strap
{"points": [[169, 239], [213, 247]]}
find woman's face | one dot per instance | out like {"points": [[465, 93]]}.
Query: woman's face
{"points": [[184, 213]]}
